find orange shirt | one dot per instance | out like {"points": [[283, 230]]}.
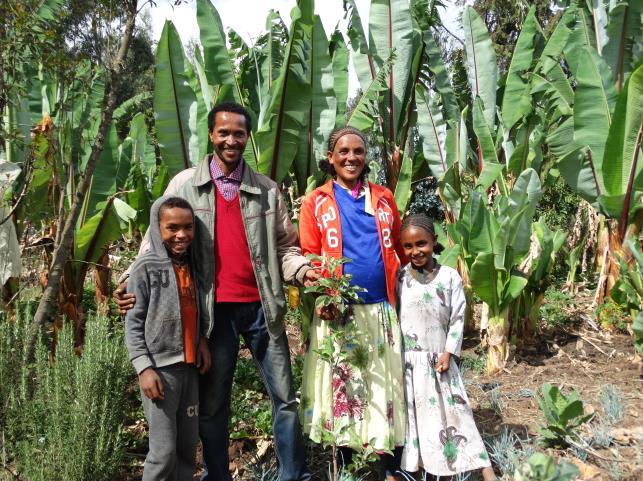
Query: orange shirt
{"points": [[187, 297]]}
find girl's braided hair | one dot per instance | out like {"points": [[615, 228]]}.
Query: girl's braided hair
{"points": [[422, 221], [324, 164]]}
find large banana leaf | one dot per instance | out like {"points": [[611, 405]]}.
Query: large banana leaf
{"points": [[201, 111], [286, 114], [99, 231], [391, 28], [208, 92], [339, 53], [557, 41], [175, 104], [624, 32], [110, 175], [484, 134], [433, 132], [622, 169], [582, 40], [599, 22], [219, 69], [360, 53], [481, 63], [273, 51], [522, 204], [403, 187], [516, 100], [366, 111], [441, 77], [322, 109], [591, 112]]}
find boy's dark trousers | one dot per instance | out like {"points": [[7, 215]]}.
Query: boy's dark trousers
{"points": [[174, 425]]}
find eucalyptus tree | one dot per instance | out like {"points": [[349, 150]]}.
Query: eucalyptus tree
{"points": [[48, 301]]}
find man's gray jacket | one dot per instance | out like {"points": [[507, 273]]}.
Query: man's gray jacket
{"points": [[272, 240]]}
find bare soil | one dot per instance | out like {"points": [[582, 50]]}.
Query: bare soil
{"points": [[581, 356]]}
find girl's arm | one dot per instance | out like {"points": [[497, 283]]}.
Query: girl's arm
{"points": [[456, 320]]}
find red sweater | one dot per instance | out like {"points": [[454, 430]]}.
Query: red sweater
{"points": [[234, 278]]}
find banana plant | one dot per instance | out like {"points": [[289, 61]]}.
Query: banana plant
{"points": [[175, 104], [286, 114], [545, 246], [392, 28], [494, 239]]}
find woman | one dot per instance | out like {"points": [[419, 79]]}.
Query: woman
{"points": [[360, 399]]}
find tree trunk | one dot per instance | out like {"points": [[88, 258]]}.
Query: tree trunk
{"points": [[49, 299], [497, 339]]}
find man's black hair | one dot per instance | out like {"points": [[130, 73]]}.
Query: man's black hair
{"points": [[233, 107]]}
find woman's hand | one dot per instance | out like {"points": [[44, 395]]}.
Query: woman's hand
{"points": [[151, 384], [203, 357], [443, 362], [311, 276]]}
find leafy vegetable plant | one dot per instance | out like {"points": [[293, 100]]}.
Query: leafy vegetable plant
{"points": [[563, 415], [541, 467]]}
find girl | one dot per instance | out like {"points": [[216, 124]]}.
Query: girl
{"points": [[362, 398], [441, 436]]}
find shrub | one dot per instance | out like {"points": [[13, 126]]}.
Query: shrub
{"points": [[612, 316], [553, 310], [69, 425], [563, 415], [251, 409]]}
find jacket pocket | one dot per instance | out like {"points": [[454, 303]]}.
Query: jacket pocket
{"points": [[165, 335]]}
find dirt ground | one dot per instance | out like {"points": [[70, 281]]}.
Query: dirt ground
{"points": [[581, 356]]}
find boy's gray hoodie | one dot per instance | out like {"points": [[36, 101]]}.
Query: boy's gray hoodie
{"points": [[153, 327]]}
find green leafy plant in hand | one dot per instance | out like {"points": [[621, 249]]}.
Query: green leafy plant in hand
{"points": [[334, 293], [563, 415], [541, 467]]}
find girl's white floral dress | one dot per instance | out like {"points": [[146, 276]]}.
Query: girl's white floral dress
{"points": [[441, 436]]}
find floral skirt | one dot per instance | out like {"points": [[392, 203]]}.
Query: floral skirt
{"points": [[442, 436], [352, 389]]}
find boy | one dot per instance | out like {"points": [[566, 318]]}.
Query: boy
{"points": [[163, 338]]}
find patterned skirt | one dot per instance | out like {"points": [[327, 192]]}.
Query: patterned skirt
{"points": [[352, 389], [442, 436]]}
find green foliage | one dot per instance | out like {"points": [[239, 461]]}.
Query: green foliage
{"points": [[251, 414], [553, 311], [627, 293], [612, 316], [541, 467], [335, 290], [65, 421], [563, 415]]}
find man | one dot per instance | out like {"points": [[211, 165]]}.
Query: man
{"points": [[246, 251]]}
